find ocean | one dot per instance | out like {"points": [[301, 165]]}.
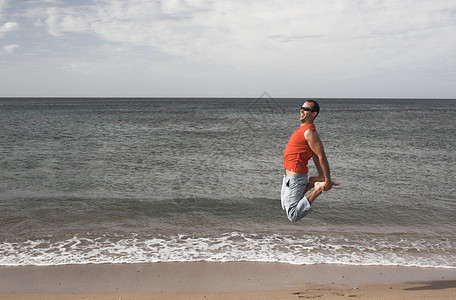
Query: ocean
{"points": [[114, 180]]}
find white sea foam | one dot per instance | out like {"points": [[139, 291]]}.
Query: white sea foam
{"points": [[233, 246]]}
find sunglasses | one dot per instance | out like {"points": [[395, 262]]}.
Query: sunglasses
{"points": [[307, 109]]}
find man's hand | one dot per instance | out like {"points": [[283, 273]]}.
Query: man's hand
{"points": [[325, 186]]}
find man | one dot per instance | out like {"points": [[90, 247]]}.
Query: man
{"points": [[303, 145]]}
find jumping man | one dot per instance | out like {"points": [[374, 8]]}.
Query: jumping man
{"points": [[303, 145]]}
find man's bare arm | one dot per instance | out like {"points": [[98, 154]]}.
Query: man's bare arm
{"points": [[315, 144], [316, 161]]}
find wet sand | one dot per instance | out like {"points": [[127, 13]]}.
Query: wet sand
{"points": [[229, 280]]}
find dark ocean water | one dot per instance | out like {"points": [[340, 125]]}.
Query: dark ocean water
{"points": [[145, 180]]}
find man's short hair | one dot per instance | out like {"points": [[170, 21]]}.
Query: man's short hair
{"points": [[316, 107]]}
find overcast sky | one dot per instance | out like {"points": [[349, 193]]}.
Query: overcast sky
{"points": [[228, 48]]}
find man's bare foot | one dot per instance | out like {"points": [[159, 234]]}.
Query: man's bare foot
{"points": [[319, 186], [310, 185], [314, 179]]}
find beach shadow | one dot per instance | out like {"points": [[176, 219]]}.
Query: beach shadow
{"points": [[432, 285], [322, 292]]}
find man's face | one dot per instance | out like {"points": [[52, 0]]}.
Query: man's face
{"points": [[306, 116]]}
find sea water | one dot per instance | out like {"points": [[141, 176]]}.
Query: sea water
{"points": [[110, 180]]}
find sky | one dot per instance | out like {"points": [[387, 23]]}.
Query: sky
{"points": [[228, 48]]}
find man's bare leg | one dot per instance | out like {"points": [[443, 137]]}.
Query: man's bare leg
{"points": [[312, 181], [316, 192], [318, 184]]}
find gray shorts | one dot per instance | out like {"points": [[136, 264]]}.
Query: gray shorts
{"points": [[293, 201]]}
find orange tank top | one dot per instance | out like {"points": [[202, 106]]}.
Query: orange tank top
{"points": [[297, 152]]}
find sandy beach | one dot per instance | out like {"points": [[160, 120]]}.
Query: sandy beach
{"points": [[230, 280]]}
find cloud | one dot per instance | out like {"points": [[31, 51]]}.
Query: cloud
{"points": [[9, 49], [294, 41], [214, 28], [7, 27]]}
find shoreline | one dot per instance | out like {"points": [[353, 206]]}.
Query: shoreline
{"points": [[227, 280]]}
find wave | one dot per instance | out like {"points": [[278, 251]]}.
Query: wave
{"points": [[233, 246]]}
